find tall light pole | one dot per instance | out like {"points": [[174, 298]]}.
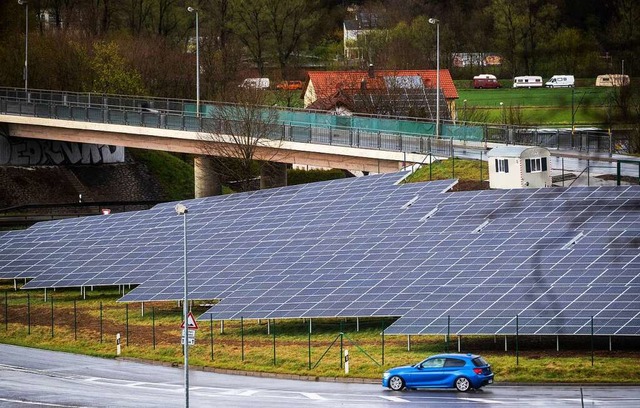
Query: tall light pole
{"points": [[25, 72], [181, 209], [437, 23], [193, 10]]}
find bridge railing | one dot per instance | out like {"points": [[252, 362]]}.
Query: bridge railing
{"points": [[180, 115]]}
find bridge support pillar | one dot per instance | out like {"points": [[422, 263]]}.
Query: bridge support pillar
{"points": [[273, 174], [207, 181]]}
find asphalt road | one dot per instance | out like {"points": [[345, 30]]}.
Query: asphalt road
{"points": [[38, 378]]}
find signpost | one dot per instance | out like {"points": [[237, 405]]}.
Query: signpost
{"points": [[190, 331]]}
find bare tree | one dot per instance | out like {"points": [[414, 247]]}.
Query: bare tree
{"points": [[242, 137]]}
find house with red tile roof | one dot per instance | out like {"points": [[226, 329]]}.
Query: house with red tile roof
{"points": [[393, 92]]}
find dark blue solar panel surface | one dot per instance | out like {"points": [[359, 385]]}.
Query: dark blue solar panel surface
{"points": [[368, 247]]}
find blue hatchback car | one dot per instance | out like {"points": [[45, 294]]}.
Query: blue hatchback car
{"points": [[459, 371]]}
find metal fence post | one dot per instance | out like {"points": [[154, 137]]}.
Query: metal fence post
{"points": [[6, 311], [341, 343], [211, 334], [51, 316], [446, 348], [153, 327], [126, 317], [274, 341], [517, 333], [28, 313], [242, 338], [309, 343], [591, 341], [100, 322], [382, 334]]}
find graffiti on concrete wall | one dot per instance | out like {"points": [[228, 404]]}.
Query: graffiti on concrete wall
{"points": [[15, 151]]}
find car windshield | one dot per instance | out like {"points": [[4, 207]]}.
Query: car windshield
{"points": [[479, 361]]}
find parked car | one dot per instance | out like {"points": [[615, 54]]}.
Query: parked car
{"points": [[460, 371], [289, 85]]}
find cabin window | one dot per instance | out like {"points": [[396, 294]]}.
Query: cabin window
{"points": [[502, 165], [535, 165]]}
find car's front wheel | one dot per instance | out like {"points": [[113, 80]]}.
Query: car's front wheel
{"points": [[462, 384], [396, 383]]}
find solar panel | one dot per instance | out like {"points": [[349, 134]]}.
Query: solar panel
{"points": [[367, 247]]}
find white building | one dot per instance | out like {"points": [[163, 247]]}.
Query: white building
{"points": [[519, 167]]}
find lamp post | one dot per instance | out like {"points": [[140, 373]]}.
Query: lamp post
{"points": [[193, 10], [181, 209], [437, 23], [464, 110], [502, 113], [25, 72]]}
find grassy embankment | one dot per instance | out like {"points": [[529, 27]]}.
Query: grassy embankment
{"points": [[539, 106]]}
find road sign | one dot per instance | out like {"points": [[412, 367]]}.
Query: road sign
{"points": [[191, 322], [191, 341], [191, 333]]}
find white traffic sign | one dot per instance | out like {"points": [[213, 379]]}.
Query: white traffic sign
{"points": [[191, 341], [191, 333], [191, 322]]}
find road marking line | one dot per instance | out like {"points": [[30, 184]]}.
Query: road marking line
{"points": [[249, 393], [483, 400], [393, 399], [312, 396], [136, 384], [41, 404]]}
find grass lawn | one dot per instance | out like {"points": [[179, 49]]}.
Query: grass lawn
{"points": [[542, 106], [89, 326]]}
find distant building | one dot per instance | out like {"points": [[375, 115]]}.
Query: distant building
{"points": [[519, 167], [476, 59], [388, 92], [362, 24]]}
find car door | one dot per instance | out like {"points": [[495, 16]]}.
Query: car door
{"points": [[451, 370], [428, 373]]}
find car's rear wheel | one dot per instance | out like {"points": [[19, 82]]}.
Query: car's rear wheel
{"points": [[462, 384], [396, 383]]}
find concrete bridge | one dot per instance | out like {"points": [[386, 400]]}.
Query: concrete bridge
{"points": [[172, 125]]}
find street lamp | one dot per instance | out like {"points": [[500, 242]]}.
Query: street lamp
{"points": [[193, 10], [181, 209], [504, 116], [25, 72], [437, 23], [464, 110]]}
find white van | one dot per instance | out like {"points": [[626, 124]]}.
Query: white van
{"points": [[256, 83], [528, 81], [561, 81]]}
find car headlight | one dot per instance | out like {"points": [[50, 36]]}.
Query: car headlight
{"points": [[386, 374]]}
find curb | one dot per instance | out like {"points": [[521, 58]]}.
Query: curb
{"points": [[280, 376], [351, 380]]}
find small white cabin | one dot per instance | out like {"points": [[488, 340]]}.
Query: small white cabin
{"points": [[528, 81], [519, 167]]}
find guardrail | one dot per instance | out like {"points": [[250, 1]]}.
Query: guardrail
{"points": [[180, 115], [309, 126]]}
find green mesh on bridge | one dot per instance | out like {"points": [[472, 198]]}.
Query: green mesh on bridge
{"points": [[366, 124]]}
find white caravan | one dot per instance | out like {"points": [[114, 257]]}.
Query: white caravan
{"points": [[528, 81], [561, 81]]}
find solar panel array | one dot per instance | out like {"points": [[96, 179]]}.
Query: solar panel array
{"points": [[367, 246]]}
